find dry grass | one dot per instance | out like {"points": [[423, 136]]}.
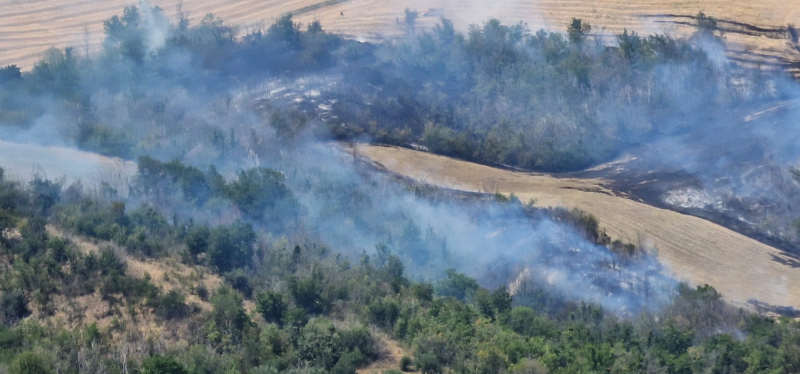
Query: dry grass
{"points": [[166, 275], [127, 331], [390, 354], [30, 27], [693, 249], [23, 161]]}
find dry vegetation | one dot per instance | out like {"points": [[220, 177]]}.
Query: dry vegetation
{"points": [[22, 161], [693, 249], [30, 27]]}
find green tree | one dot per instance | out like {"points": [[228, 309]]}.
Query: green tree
{"points": [[231, 247], [29, 363], [271, 306], [307, 292], [457, 285], [162, 365], [196, 240], [262, 196], [411, 20], [228, 318], [577, 30], [10, 74]]}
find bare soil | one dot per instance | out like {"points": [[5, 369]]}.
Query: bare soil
{"points": [[747, 272], [757, 33]]}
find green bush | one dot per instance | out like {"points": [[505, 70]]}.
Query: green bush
{"points": [[29, 363], [162, 365], [231, 246], [406, 364], [271, 306]]}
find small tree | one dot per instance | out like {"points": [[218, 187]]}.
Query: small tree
{"points": [[29, 363], [578, 30], [230, 247], [307, 292], [271, 306], [406, 363], [411, 19], [706, 24], [162, 365], [197, 240], [10, 73]]}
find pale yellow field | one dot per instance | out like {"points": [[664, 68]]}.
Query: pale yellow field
{"points": [[23, 161], [28, 27], [693, 249]]}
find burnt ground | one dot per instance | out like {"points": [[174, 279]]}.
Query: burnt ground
{"points": [[733, 172]]}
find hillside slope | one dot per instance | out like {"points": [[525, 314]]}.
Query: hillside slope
{"points": [[693, 249], [758, 32]]}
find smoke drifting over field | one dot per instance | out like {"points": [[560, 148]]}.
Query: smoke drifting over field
{"points": [[197, 95]]}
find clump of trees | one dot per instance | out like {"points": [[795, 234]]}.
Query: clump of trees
{"points": [[542, 100]]}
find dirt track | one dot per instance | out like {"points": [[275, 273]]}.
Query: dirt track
{"points": [[693, 249], [29, 27]]}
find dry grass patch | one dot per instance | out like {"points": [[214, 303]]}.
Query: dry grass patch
{"points": [[693, 249]]}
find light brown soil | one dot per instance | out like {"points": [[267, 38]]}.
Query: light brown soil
{"points": [[29, 27], [693, 249], [166, 275], [23, 161], [391, 352]]}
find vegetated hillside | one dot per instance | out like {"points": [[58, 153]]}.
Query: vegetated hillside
{"points": [[149, 299], [747, 272], [332, 256], [757, 30]]}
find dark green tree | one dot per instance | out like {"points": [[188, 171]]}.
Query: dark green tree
{"points": [[231, 247], [577, 30], [29, 363], [162, 365], [271, 306]]}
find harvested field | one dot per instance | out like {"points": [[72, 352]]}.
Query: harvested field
{"points": [[693, 249], [23, 161], [757, 34]]}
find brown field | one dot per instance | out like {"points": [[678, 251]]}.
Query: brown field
{"points": [[693, 249], [28, 27], [23, 161]]}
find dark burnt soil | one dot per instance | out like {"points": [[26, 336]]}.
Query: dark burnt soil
{"points": [[736, 164]]}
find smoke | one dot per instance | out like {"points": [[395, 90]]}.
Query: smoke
{"points": [[178, 108], [156, 26]]}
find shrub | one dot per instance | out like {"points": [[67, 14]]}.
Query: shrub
{"points": [[307, 292], [13, 306], [162, 365], [202, 292], [457, 285], [169, 306], [196, 240], [271, 306], [406, 363], [422, 291], [29, 363], [231, 246]]}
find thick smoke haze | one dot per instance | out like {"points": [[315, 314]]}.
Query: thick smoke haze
{"points": [[178, 108]]}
